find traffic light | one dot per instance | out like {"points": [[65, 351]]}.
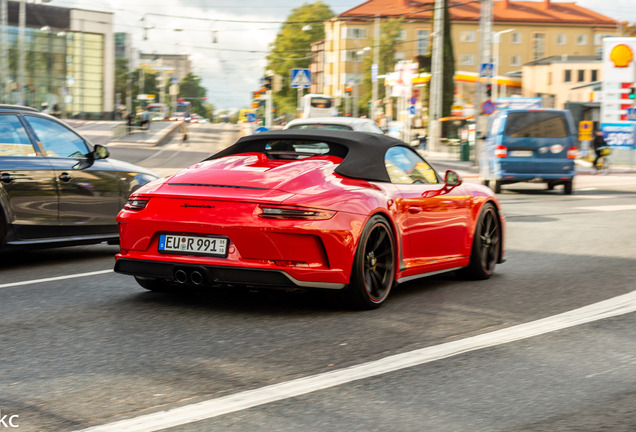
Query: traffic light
{"points": [[632, 93], [489, 90], [268, 82]]}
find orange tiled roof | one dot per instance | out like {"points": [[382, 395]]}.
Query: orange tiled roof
{"points": [[544, 11]]}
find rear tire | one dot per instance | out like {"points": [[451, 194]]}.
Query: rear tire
{"points": [[497, 186], [373, 272], [486, 245], [3, 229], [567, 187]]}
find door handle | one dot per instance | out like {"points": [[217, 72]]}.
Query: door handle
{"points": [[65, 177], [6, 178], [414, 209]]}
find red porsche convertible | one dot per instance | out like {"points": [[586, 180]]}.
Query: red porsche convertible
{"points": [[351, 211]]}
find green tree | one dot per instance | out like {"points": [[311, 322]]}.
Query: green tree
{"points": [[292, 47], [190, 89], [389, 33], [448, 85], [121, 80]]}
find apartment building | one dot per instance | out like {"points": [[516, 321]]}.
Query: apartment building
{"points": [[526, 31]]}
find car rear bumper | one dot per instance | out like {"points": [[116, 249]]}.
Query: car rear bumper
{"points": [[215, 275], [533, 177]]}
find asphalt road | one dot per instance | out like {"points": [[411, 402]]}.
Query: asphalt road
{"points": [[82, 346]]}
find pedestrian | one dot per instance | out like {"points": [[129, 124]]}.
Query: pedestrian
{"points": [[145, 119], [184, 131], [598, 142], [130, 117]]}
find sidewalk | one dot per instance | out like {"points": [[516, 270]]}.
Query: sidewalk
{"points": [[157, 134]]}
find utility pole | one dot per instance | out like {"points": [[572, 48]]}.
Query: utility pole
{"points": [[375, 68], [437, 69], [484, 48]]}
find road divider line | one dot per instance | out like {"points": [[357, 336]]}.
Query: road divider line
{"points": [[251, 398], [56, 278]]}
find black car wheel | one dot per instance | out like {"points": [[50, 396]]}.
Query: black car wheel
{"points": [[486, 245], [567, 187], [373, 271], [3, 229]]}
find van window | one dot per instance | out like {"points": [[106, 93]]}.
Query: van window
{"points": [[536, 124]]}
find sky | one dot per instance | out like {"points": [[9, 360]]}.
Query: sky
{"points": [[228, 40]]}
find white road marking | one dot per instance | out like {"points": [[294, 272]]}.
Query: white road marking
{"points": [[251, 398], [51, 279], [610, 208]]}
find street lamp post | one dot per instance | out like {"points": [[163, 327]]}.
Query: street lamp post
{"points": [[496, 39]]}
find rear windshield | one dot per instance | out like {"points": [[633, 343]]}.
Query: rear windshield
{"points": [[321, 126], [320, 102], [536, 124]]}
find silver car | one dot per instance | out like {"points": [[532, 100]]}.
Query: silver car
{"points": [[335, 123]]}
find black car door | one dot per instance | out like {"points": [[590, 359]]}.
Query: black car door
{"points": [[28, 189], [89, 197]]}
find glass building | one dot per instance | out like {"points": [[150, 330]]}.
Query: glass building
{"points": [[67, 64]]}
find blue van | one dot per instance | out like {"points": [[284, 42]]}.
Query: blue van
{"points": [[529, 145]]}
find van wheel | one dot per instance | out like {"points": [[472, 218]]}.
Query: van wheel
{"points": [[497, 186], [550, 186], [567, 187], [485, 182]]}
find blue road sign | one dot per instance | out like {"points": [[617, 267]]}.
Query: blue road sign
{"points": [[631, 114], [251, 117], [486, 70], [261, 129], [300, 78], [412, 109]]}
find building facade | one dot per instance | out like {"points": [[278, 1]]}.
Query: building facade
{"points": [[525, 31], [61, 60]]}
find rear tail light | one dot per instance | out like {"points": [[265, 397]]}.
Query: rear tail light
{"points": [[572, 152], [293, 213], [136, 203], [501, 151]]}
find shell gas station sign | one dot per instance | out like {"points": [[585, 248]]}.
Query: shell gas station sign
{"points": [[619, 78]]}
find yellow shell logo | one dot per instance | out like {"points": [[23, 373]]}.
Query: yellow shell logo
{"points": [[621, 55]]}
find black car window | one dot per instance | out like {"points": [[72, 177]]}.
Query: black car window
{"points": [[14, 140], [56, 139], [405, 167]]}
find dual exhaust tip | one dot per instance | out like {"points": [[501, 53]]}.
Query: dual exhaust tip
{"points": [[184, 276]]}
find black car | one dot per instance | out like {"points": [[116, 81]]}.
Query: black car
{"points": [[56, 188]]}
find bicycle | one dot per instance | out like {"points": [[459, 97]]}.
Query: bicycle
{"points": [[602, 165]]}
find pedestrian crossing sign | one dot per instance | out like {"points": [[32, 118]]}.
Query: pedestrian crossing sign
{"points": [[300, 78]]}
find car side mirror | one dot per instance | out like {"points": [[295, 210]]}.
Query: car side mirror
{"points": [[100, 152], [452, 179]]}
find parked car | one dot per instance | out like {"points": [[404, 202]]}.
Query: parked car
{"points": [[335, 123], [336, 210], [56, 188], [537, 145]]}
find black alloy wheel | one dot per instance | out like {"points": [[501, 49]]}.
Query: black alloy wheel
{"points": [[373, 271], [486, 245]]}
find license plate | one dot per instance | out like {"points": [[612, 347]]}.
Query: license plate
{"points": [[521, 153], [199, 245]]}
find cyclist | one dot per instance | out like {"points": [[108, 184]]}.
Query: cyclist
{"points": [[598, 142]]}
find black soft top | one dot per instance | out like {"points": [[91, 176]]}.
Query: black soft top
{"points": [[362, 152]]}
